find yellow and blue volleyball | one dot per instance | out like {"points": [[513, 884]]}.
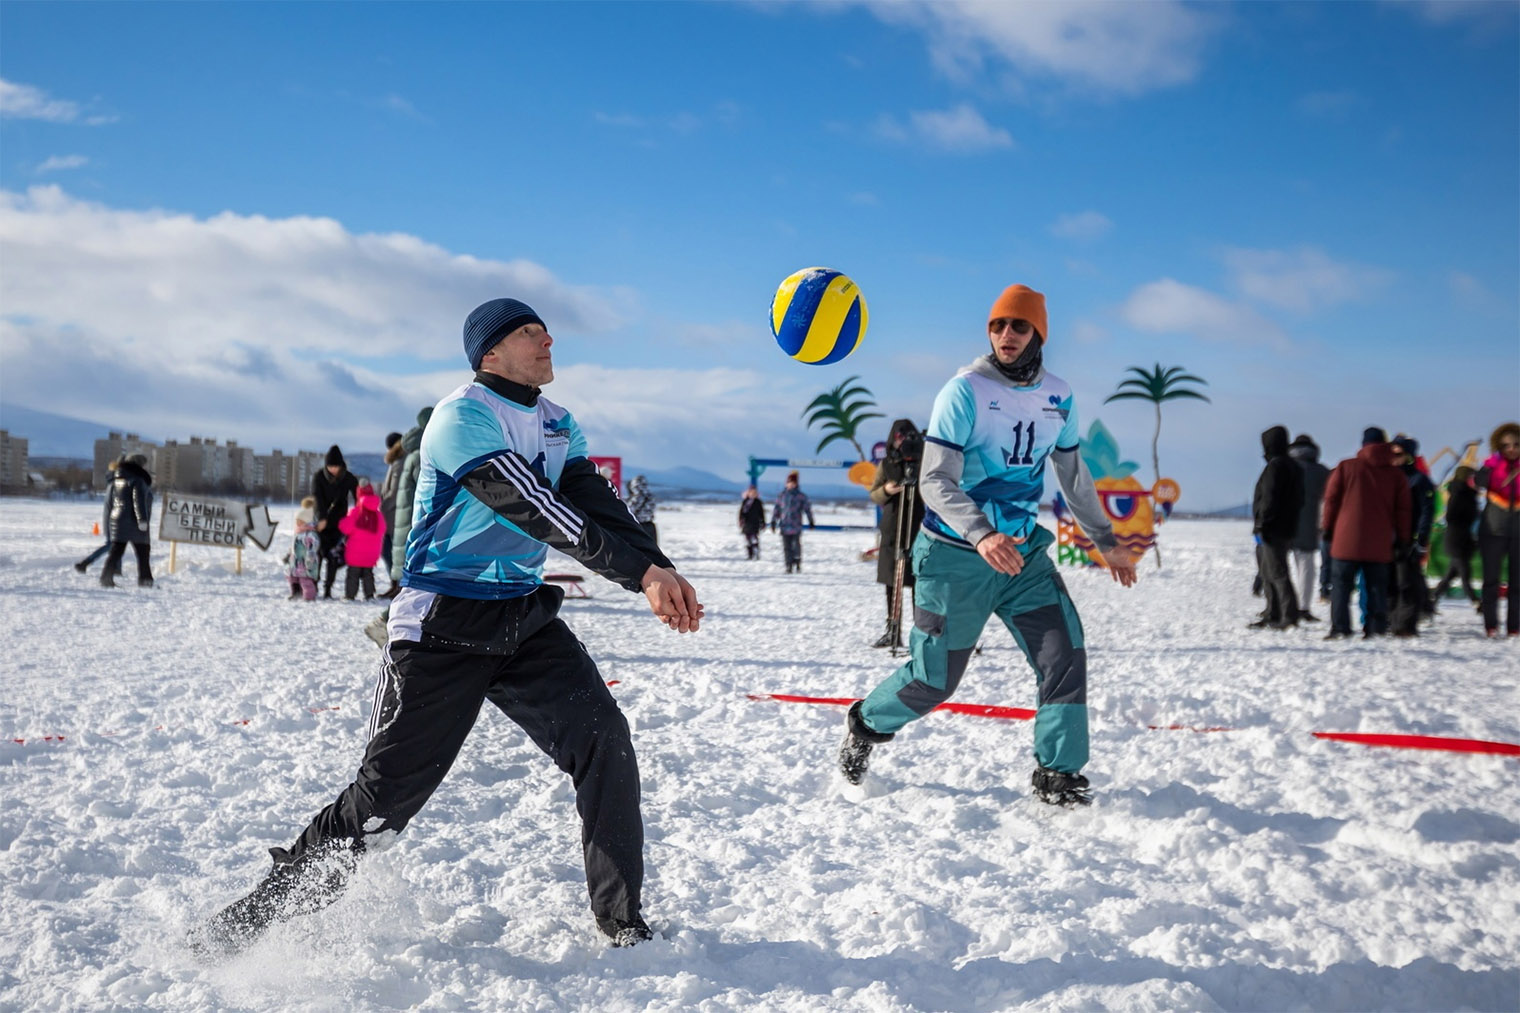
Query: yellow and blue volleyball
{"points": [[818, 316]]}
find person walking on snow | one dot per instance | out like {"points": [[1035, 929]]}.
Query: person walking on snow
{"points": [[1274, 510], [1307, 548], [364, 535], [1461, 543], [980, 552], [641, 504], [390, 485], [791, 506], [335, 488], [1410, 595], [129, 519], [751, 520], [1366, 519], [303, 563], [504, 477], [1499, 530], [897, 471]]}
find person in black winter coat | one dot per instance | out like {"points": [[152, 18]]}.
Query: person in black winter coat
{"points": [[889, 489], [129, 519], [1274, 510], [1460, 542], [1307, 546], [336, 490], [1410, 596], [751, 521]]}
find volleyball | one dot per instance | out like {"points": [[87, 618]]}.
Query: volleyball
{"points": [[818, 316]]}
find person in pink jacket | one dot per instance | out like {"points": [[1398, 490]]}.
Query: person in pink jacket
{"points": [[364, 528]]}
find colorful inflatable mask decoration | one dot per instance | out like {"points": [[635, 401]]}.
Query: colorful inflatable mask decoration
{"points": [[1132, 509]]}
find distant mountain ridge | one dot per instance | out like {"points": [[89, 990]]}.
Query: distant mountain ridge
{"points": [[50, 435]]}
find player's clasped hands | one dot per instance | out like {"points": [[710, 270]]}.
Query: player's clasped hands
{"points": [[672, 599]]}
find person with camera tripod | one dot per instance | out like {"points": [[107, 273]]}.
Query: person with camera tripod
{"points": [[895, 490], [981, 553]]}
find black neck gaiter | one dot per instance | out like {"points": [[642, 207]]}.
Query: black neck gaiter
{"points": [[1026, 368]]}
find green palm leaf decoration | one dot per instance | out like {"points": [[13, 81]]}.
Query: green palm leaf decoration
{"points": [[1157, 385], [839, 417]]}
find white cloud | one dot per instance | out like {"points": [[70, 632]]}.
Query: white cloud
{"points": [[1301, 280], [266, 324], [1085, 225], [58, 163], [960, 130], [1329, 104], [1086, 332], [24, 102], [1093, 45], [1168, 306], [293, 283], [1445, 12]]}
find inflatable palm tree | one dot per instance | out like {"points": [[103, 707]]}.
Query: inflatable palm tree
{"points": [[838, 417], [1156, 386]]}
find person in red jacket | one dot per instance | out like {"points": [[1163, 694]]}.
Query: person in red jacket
{"points": [[364, 528], [1367, 522]]}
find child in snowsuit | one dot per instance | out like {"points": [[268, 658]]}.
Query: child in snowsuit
{"points": [[365, 530], [304, 560], [791, 505], [751, 520]]}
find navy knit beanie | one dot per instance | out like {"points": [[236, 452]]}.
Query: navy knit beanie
{"points": [[1374, 434], [489, 322]]}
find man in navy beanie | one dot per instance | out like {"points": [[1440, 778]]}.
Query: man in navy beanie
{"points": [[505, 475]]}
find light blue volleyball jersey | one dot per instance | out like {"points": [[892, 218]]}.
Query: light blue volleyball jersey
{"points": [[1004, 435], [458, 545]]}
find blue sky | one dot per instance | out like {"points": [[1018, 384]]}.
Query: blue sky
{"points": [[268, 221]]}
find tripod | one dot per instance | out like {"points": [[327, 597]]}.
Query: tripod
{"points": [[904, 518]]}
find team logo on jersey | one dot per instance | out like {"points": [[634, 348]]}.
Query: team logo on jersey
{"points": [[1056, 408], [992, 406]]}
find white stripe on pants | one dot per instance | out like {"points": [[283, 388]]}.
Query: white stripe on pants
{"points": [[1304, 566]]}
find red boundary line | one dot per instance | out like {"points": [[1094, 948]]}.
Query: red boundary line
{"points": [[1424, 742], [1023, 714]]}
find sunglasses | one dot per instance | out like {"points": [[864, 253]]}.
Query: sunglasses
{"points": [[1001, 324]]}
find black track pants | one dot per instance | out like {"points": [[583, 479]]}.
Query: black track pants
{"points": [[429, 696]]}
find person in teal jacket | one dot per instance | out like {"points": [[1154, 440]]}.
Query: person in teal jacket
{"points": [[980, 552]]}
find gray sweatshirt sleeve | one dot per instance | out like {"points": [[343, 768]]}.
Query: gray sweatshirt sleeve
{"points": [[939, 483], [1082, 497]]}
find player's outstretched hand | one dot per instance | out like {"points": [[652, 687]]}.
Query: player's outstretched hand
{"points": [[672, 600], [1002, 553], [1121, 565]]}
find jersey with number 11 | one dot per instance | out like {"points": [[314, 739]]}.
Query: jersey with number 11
{"points": [[1004, 435]]}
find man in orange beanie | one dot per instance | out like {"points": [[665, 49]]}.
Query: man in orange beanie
{"points": [[981, 553]]}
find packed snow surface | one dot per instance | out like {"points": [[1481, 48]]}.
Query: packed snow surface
{"points": [[172, 735]]}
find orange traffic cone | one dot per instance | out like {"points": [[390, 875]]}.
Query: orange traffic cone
{"points": [[96, 529]]}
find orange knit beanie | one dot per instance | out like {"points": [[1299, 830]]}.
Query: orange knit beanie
{"points": [[1021, 302]]}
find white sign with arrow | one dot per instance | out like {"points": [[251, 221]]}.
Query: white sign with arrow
{"points": [[199, 520]]}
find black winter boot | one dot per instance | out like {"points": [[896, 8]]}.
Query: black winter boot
{"points": [[293, 887], [631, 932], [1058, 788], [855, 754], [891, 638]]}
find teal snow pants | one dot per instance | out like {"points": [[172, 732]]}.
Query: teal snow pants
{"points": [[955, 592]]}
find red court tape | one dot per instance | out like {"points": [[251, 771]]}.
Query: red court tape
{"points": [[1023, 714], [980, 710], [1424, 742]]}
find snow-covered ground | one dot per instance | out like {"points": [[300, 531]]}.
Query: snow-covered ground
{"points": [[1259, 868]]}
